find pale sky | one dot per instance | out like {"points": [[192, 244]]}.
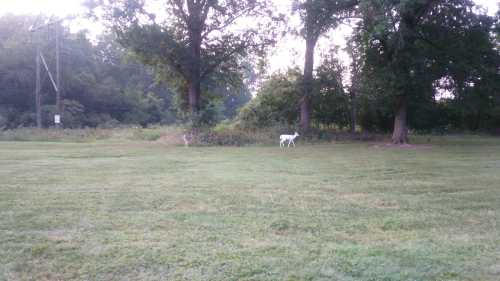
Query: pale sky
{"points": [[288, 53]]}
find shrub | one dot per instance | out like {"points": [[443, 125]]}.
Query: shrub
{"points": [[100, 120], [147, 134]]}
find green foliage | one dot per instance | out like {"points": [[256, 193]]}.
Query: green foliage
{"points": [[405, 48], [147, 134], [73, 112], [227, 134], [330, 101], [375, 113], [277, 102], [196, 45], [412, 48], [230, 137], [319, 16], [103, 85], [99, 86]]}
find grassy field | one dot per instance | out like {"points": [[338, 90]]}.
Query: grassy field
{"points": [[137, 210]]}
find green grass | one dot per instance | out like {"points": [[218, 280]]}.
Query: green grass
{"points": [[133, 210]]}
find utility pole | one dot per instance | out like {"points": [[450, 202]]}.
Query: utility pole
{"points": [[57, 83], [38, 98]]}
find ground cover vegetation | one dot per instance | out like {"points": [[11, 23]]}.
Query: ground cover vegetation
{"points": [[129, 209]]}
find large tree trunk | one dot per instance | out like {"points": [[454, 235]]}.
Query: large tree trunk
{"points": [[194, 95], [400, 133], [305, 104], [305, 114], [353, 112], [195, 29], [194, 83]]}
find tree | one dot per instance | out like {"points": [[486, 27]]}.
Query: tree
{"points": [[330, 102], [103, 84], [411, 44], [318, 16], [354, 50], [277, 100], [198, 39], [275, 103]]}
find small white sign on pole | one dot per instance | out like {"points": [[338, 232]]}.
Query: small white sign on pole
{"points": [[57, 119]]}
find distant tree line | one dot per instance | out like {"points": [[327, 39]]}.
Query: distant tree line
{"points": [[405, 54], [422, 65], [103, 83]]}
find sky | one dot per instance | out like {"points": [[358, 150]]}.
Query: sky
{"points": [[64, 7], [288, 52]]}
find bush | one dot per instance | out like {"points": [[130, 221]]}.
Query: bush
{"points": [[101, 120], [233, 135], [276, 103], [228, 134], [147, 134], [224, 134]]}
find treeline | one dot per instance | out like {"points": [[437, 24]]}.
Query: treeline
{"points": [[416, 65], [427, 66], [102, 83]]}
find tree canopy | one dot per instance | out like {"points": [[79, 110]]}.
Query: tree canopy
{"points": [[199, 43], [409, 46], [318, 16], [103, 84]]}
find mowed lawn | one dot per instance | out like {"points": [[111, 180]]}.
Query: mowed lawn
{"points": [[127, 210]]}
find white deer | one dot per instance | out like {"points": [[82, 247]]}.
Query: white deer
{"points": [[288, 138], [187, 138]]}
